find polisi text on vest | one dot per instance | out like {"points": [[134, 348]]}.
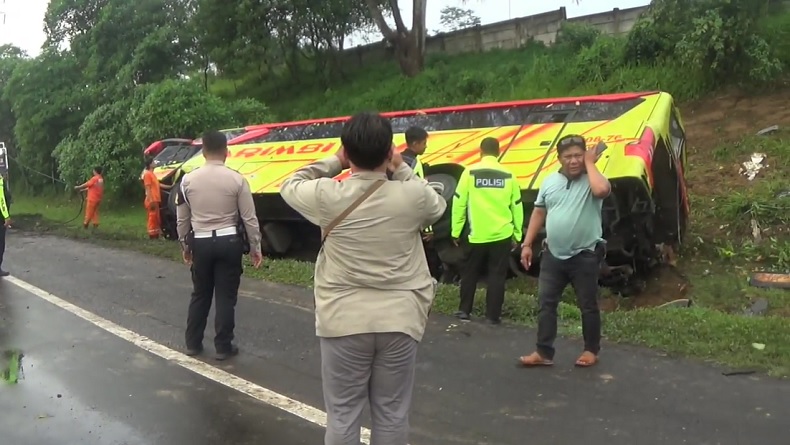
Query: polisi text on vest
{"points": [[497, 183]]}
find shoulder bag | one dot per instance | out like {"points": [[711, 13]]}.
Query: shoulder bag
{"points": [[332, 224]]}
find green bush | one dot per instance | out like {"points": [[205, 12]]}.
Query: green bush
{"points": [[576, 36], [115, 134], [717, 40], [104, 139], [647, 43], [247, 111], [727, 48], [597, 62], [176, 108], [775, 30]]}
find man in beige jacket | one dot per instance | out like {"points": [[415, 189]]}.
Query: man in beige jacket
{"points": [[373, 289]]}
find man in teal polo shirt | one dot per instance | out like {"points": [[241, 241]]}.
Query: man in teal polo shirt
{"points": [[569, 203], [489, 199]]}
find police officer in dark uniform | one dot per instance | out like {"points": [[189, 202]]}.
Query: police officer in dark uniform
{"points": [[216, 226]]}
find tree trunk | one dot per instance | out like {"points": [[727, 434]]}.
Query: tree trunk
{"points": [[419, 31], [206, 67], [409, 45], [410, 58]]}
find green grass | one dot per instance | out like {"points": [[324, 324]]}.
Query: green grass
{"points": [[583, 66], [712, 329], [65, 215], [534, 71]]}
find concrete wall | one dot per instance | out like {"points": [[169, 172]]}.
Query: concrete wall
{"points": [[615, 22], [510, 34]]}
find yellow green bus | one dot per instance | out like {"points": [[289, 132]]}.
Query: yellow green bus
{"points": [[645, 161]]}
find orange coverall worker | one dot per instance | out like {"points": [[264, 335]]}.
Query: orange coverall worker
{"points": [[95, 188], [153, 200]]}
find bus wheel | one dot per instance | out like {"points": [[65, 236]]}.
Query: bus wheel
{"points": [[448, 181]]}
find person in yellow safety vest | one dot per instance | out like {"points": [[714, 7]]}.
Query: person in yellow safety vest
{"points": [[416, 144], [489, 198], [5, 222]]}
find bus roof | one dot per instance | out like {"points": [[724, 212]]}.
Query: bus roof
{"points": [[527, 131], [484, 106]]}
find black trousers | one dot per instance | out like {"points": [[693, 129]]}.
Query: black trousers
{"points": [[216, 273], [495, 256], [581, 271], [2, 241]]}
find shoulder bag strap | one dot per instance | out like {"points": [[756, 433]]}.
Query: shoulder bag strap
{"points": [[349, 209]]}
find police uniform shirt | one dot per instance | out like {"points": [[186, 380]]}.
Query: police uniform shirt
{"points": [[489, 199], [215, 196]]}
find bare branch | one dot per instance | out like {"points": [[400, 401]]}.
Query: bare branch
{"points": [[401, 27], [378, 17]]}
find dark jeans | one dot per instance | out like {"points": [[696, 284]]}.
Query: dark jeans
{"points": [[581, 271], [2, 241], [495, 256], [216, 272]]}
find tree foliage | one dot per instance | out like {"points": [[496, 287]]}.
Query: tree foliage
{"points": [[104, 139], [113, 134], [454, 18], [255, 37], [10, 57], [718, 39], [49, 105], [178, 109]]}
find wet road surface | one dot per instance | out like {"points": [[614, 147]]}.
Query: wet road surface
{"points": [[83, 385], [468, 391]]}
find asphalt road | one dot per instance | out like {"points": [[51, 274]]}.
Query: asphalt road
{"points": [[468, 391]]}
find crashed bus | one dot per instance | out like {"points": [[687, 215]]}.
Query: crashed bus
{"points": [[645, 162], [169, 154]]}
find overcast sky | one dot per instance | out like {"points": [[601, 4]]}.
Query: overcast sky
{"points": [[24, 21]]}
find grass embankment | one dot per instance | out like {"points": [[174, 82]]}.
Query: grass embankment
{"points": [[581, 62], [531, 72], [719, 257]]}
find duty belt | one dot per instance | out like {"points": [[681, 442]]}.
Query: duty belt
{"points": [[227, 231]]}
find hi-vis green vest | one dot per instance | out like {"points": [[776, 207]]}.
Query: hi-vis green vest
{"points": [[413, 161], [488, 197], [3, 203], [417, 167]]}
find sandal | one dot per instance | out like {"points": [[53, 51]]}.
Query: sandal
{"points": [[534, 359], [586, 360]]}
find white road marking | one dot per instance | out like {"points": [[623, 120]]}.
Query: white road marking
{"points": [[267, 396]]}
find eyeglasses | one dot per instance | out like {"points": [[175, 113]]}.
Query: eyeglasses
{"points": [[571, 140]]}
